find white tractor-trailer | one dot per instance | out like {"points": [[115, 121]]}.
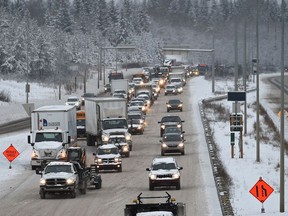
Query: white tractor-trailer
{"points": [[104, 117], [53, 129]]}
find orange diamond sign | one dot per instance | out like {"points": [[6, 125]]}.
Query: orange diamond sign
{"points": [[261, 190], [11, 153]]}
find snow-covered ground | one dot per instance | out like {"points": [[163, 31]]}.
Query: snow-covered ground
{"points": [[244, 172]]}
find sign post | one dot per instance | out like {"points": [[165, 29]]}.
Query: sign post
{"points": [[261, 191], [11, 153]]}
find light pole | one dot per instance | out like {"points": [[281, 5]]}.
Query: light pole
{"points": [[282, 145]]}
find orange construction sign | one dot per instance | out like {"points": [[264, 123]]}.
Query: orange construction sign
{"points": [[261, 190], [11, 153]]}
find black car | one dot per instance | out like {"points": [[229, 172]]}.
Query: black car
{"points": [[172, 143], [107, 88], [174, 104], [170, 120]]}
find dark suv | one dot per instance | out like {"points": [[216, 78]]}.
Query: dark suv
{"points": [[174, 104], [172, 143], [168, 120]]}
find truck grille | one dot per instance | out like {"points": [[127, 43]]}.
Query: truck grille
{"points": [[52, 182], [165, 176], [107, 160]]}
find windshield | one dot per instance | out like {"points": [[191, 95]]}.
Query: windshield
{"points": [[170, 87], [165, 166], [58, 168], [80, 122], [117, 140], [114, 123], [107, 151], [174, 102], [172, 138], [171, 119], [137, 103], [172, 130], [41, 137], [72, 99]]}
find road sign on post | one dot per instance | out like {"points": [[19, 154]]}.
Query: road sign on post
{"points": [[11, 153], [236, 122], [261, 190]]}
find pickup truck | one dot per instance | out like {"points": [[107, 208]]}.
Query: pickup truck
{"points": [[62, 177]]}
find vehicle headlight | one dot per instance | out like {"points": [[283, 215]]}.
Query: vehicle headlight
{"points": [[98, 160], [165, 90], [105, 138], [139, 127], [152, 176], [34, 154], [70, 181], [173, 90], [141, 121], [42, 181], [117, 159], [181, 145], [168, 105], [176, 176], [143, 108], [66, 103], [61, 154], [163, 126], [179, 125], [161, 82], [164, 145], [125, 148], [128, 137], [180, 105]]}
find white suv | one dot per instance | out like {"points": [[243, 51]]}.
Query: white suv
{"points": [[74, 101], [164, 172]]}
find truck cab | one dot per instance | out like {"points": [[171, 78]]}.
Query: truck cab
{"points": [[48, 145], [62, 177]]}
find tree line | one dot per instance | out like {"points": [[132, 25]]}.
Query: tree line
{"points": [[51, 40]]}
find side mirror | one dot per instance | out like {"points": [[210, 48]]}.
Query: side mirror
{"points": [[69, 139], [180, 168], [38, 171], [29, 139], [148, 169], [184, 140], [161, 141], [94, 154], [183, 131]]}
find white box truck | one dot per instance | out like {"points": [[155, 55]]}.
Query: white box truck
{"points": [[105, 116], [53, 129], [120, 84]]}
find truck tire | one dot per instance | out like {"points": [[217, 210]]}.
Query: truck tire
{"points": [[127, 154], [120, 169], [83, 188], [98, 185], [178, 186], [90, 140], [89, 143], [151, 186], [42, 195], [73, 194]]}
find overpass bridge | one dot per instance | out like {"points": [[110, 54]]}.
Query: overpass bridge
{"points": [[178, 52]]}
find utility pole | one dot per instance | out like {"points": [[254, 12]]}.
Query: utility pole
{"points": [[282, 145], [245, 76], [257, 87]]}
